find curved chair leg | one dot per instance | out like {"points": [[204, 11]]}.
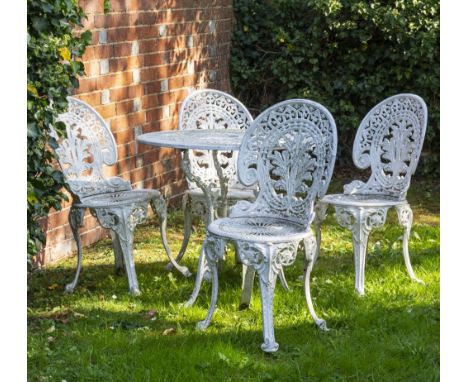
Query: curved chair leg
{"points": [[267, 288], [310, 249], [360, 221], [187, 230], [248, 278], [201, 270], [159, 207], [75, 219], [283, 281], [320, 213], [405, 217], [214, 248], [118, 254]]}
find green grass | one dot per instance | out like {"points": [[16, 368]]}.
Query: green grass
{"points": [[100, 333]]}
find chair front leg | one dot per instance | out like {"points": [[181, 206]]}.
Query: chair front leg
{"points": [[360, 221], [159, 207], [268, 260], [311, 253], [267, 289], [126, 239], [215, 249], [122, 221], [75, 219], [405, 217]]}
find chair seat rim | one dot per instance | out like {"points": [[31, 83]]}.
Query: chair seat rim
{"points": [[274, 239], [362, 200], [105, 200]]}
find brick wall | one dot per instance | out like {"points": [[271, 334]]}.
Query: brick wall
{"points": [[144, 58]]}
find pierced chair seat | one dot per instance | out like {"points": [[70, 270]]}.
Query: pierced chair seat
{"points": [[120, 198], [259, 229], [362, 200]]}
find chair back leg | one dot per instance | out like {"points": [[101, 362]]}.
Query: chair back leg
{"points": [[248, 278], [118, 254], [75, 219], [405, 217]]}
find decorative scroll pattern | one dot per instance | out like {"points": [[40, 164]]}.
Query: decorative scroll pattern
{"points": [[267, 259], [88, 145], [360, 219], [405, 216], [212, 109], [290, 152], [117, 218], [390, 140]]}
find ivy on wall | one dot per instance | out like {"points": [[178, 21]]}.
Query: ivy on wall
{"points": [[346, 54], [54, 48]]}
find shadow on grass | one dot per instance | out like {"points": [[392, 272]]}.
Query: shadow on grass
{"points": [[378, 342]]}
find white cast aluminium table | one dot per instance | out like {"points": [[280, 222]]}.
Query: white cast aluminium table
{"points": [[210, 140]]}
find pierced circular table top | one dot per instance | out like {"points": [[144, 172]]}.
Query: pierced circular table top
{"points": [[226, 140]]}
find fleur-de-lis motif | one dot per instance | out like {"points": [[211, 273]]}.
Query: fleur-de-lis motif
{"points": [[397, 149], [77, 153], [294, 171]]}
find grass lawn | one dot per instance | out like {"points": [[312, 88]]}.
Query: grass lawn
{"points": [[101, 333]]}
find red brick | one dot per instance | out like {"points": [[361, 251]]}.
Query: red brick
{"points": [[122, 49], [118, 5], [125, 122], [106, 111], [125, 107], [122, 34], [87, 85], [91, 98], [114, 80], [103, 51], [126, 150], [127, 63]]}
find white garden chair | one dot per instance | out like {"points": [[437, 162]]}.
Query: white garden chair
{"points": [[289, 151], [87, 146], [389, 141]]}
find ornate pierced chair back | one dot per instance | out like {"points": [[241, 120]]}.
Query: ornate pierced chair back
{"points": [[87, 146], [290, 152], [390, 140], [213, 109]]}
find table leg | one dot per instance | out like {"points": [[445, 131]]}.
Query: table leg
{"points": [[223, 184], [210, 194], [210, 199]]}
